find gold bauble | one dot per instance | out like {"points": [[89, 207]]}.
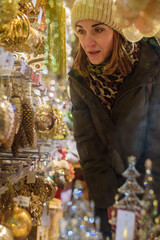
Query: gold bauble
{"points": [[8, 10], [15, 32], [5, 233], [6, 120], [122, 16], [44, 118], [132, 34], [134, 5], [146, 25], [18, 220]]}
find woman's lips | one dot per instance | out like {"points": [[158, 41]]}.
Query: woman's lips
{"points": [[94, 53]]}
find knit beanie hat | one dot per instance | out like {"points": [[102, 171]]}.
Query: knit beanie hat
{"points": [[98, 10]]}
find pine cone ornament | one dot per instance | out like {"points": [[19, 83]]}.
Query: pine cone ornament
{"points": [[17, 104], [16, 144], [28, 120], [23, 138]]}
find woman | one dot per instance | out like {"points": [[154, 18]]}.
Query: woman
{"points": [[115, 92]]}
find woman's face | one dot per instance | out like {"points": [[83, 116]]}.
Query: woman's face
{"points": [[96, 40]]}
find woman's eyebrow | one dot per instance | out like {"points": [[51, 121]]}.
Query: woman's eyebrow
{"points": [[79, 26]]}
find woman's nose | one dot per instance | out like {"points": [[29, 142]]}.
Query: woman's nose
{"points": [[89, 40]]}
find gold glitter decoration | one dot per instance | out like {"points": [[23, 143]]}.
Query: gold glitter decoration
{"points": [[8, 10], [18, 220], [55, 58], [28, 120], [153, 10], [132, 34], [15, 32], [6, 120], [5, 233], [44, 118]]}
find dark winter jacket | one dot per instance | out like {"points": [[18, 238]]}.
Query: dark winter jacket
{"points": [[106, 139]]}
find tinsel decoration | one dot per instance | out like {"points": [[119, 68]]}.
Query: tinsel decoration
{"points": [[55, 48], [8, 10]]}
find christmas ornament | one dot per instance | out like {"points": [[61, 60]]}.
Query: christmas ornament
{"points": [[29, 9], [153, 10], [123, 17], [18, 220], [8, 10], [17, 105], [44, 118], [134, 5], [16, 143], [15, 32], [5, 233], [28, 120], [6, 120], [32, 43], [55, 58], [132, 34]]}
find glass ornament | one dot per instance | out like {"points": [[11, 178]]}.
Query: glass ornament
{"points": [[18, 220], [132, 34], [146, 25], [44, 118]]}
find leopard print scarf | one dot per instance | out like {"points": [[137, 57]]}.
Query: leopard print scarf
{"points": [[104, 86]]}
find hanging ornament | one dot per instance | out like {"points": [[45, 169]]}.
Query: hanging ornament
{"points": [[132, 34], [146, 25], [5, 233], [15, 32], [134, 5], [6, 120], [123, 17], [44, 118], [55, 58], [8, 10], [18, 220], [32, 43]]}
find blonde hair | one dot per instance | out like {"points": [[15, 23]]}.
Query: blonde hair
{"points": [[118, 60]]}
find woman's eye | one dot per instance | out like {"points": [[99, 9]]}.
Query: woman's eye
{"points": [[80, 31], [99, 30]]}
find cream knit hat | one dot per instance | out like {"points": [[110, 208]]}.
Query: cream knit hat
{"points": [[99, 10]]}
